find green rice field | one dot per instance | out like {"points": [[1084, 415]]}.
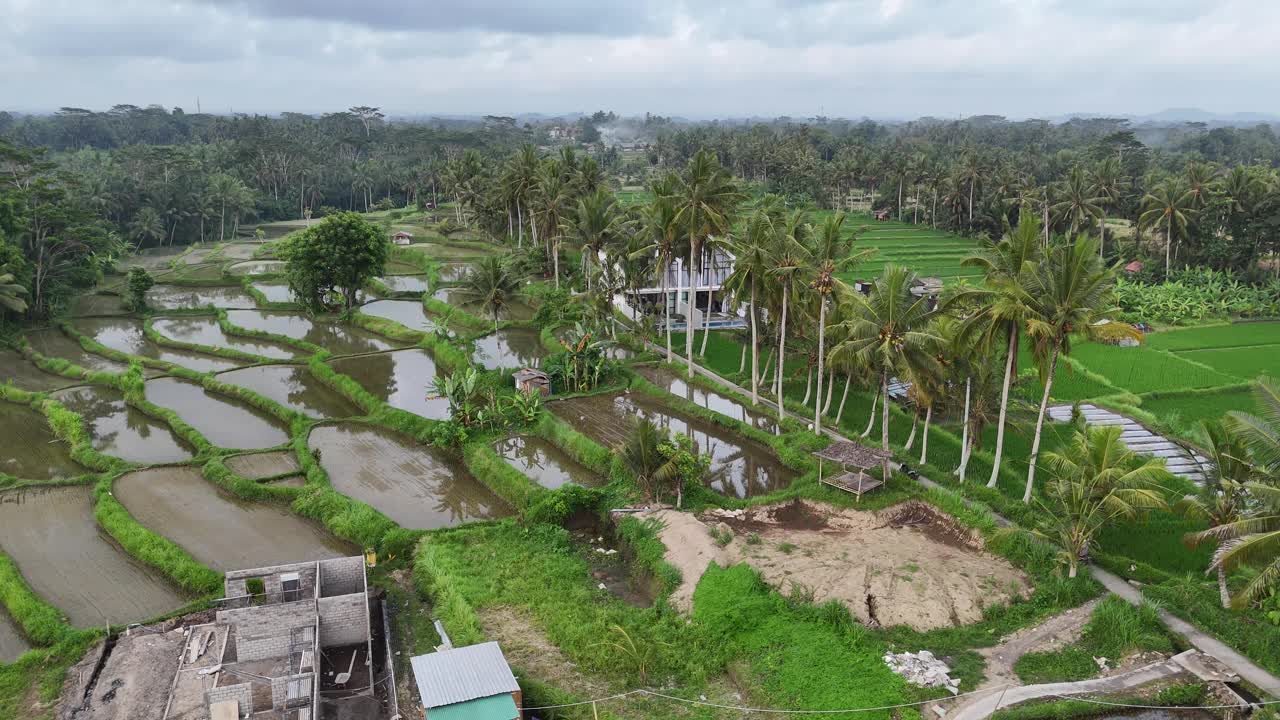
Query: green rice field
{"points": [[927, 252]]}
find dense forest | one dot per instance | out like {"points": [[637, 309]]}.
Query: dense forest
{"points": [[82, 187]]}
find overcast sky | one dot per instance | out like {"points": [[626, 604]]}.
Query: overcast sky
{"points": [[697, 58]]}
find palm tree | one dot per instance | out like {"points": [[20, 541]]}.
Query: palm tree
{"points": [[790, 258], [1063, 294], [1078, 205], [11, 293], [888, 330], [147, 225], [661, 226], [705, 200], [1223, 499], [552, 205], [749, 278], [830, 252], [1169, 202], [1109, 185], [596, 223], [1201, 179], [491, 285], [641, 454], [1000, 308], [1261, 432], [1095, 481], [1254, 541]]}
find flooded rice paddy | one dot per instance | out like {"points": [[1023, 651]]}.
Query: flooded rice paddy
{"points": [[708, 399], [544, 463], [510, 348], [453, 272], [276, 291], [52, 343], [125, 335], [98, 305], [514, 310], [409, 313], [239, 250], [294, 387], [415, 485], [406, 283], [32, 451], [257, 267], [223, 421], [117, 429], [207, 331], [263, 465], [157, 258], [739, 467], [403, 379], [176, 297], [23, 374], [67, 559], [337, 339], [217, 528]]}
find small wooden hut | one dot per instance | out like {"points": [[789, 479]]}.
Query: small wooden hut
{"points": [[529, 380], [854, 460], [402, 238]]}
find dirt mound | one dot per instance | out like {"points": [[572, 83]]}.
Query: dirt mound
{"points": [[909, 564]]}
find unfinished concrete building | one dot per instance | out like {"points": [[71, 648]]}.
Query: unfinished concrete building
{"points": [[282, 638]]}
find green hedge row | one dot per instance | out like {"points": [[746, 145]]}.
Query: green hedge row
{"points": [[499, 476], [41, 623]]}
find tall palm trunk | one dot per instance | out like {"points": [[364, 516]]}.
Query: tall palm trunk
{"points": [[688, 322], [843, 397], [222, 228], [899, 199], [1004, 405], [1223, 594], [831, 386], [768, 363], [933, 214], [971, 183], [1168, 242], [1102, 235], [884, 420], [872, 421], [924, 439], [555, 259], [1044, 408], [666, 315], [742, 360], [706, 326], [519, 224], [915, 424], [782, 348], [808, 385], [755, 349], [964, 435], [822, 338]]}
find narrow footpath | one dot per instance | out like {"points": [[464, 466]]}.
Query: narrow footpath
{"points": [[1178, 460], [1202, 641]]}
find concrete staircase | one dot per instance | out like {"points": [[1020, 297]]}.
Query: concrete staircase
{"points": [[1178, 460]]}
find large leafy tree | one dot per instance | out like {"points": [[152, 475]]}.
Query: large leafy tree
{"points": [[597, 223], [1079, 205], [1170, 204], [331, 261], [1222, 499]]}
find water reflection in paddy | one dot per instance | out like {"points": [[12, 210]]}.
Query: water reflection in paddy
{"points": [[415, 485], [295, 388], [67, 559], [544, 463], [510, 348], [119, 430], [173, 297], [739, 467], [404, 379], [15, 368], [12, 643], [126, 335], [409, 313], [52, 343], [276, 291], [453, 272], [224, 421], [708, 399], [514, 310], [31, 450], [207, 331], [257, 267], [217, 528], [406, 283], [337, 339]]}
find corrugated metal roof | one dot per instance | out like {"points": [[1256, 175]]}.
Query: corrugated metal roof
{"points": [[461, 674], [495, 707]]}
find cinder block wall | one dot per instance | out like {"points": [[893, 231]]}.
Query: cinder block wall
{"points": [[263, 632], [242, 693], [280, 689], [341, 576], [344, 620], [234, 584]]}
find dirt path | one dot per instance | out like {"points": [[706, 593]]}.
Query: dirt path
{"points": [[528, 648], [690, 548], [1052, 634]]}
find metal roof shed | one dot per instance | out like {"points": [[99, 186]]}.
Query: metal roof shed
{"points": [[451, 682]]}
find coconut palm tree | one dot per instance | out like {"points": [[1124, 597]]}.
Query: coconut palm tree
{"points": [[1261, 432], [705, 200], [147, 225], [1078, 204], [889, 331], [661, 227], [552, 202], [1253, 540], [596, 223], [789, 258], [1223, 499], [11, 293], [1170, 203], [999, 308], [491, 285], [1064, 294], [1095, 481], [829, 253], [641, 454], [1109, 185], [750, 277]]}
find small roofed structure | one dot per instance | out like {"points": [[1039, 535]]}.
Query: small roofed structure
{"points": [[854, 459], [1134, 267], [531, 380], [882, 215], [467, 683], [402, 238]]}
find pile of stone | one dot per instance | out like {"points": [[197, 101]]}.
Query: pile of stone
{"points": [[923, 669]]}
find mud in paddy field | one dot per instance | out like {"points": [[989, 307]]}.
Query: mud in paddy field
{"points": [[905, 565]]}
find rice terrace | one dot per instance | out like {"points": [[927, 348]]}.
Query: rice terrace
{"points": [[638, 430]]}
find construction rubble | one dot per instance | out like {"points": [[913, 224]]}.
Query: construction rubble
{"points": [[922, 669]]}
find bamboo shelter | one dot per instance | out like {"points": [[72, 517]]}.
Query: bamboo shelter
{"points": [[854, 460]]}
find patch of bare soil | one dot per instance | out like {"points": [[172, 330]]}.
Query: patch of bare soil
{"points": [[908, 564], [134, 682], [1052, 634], [528, 648]]}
